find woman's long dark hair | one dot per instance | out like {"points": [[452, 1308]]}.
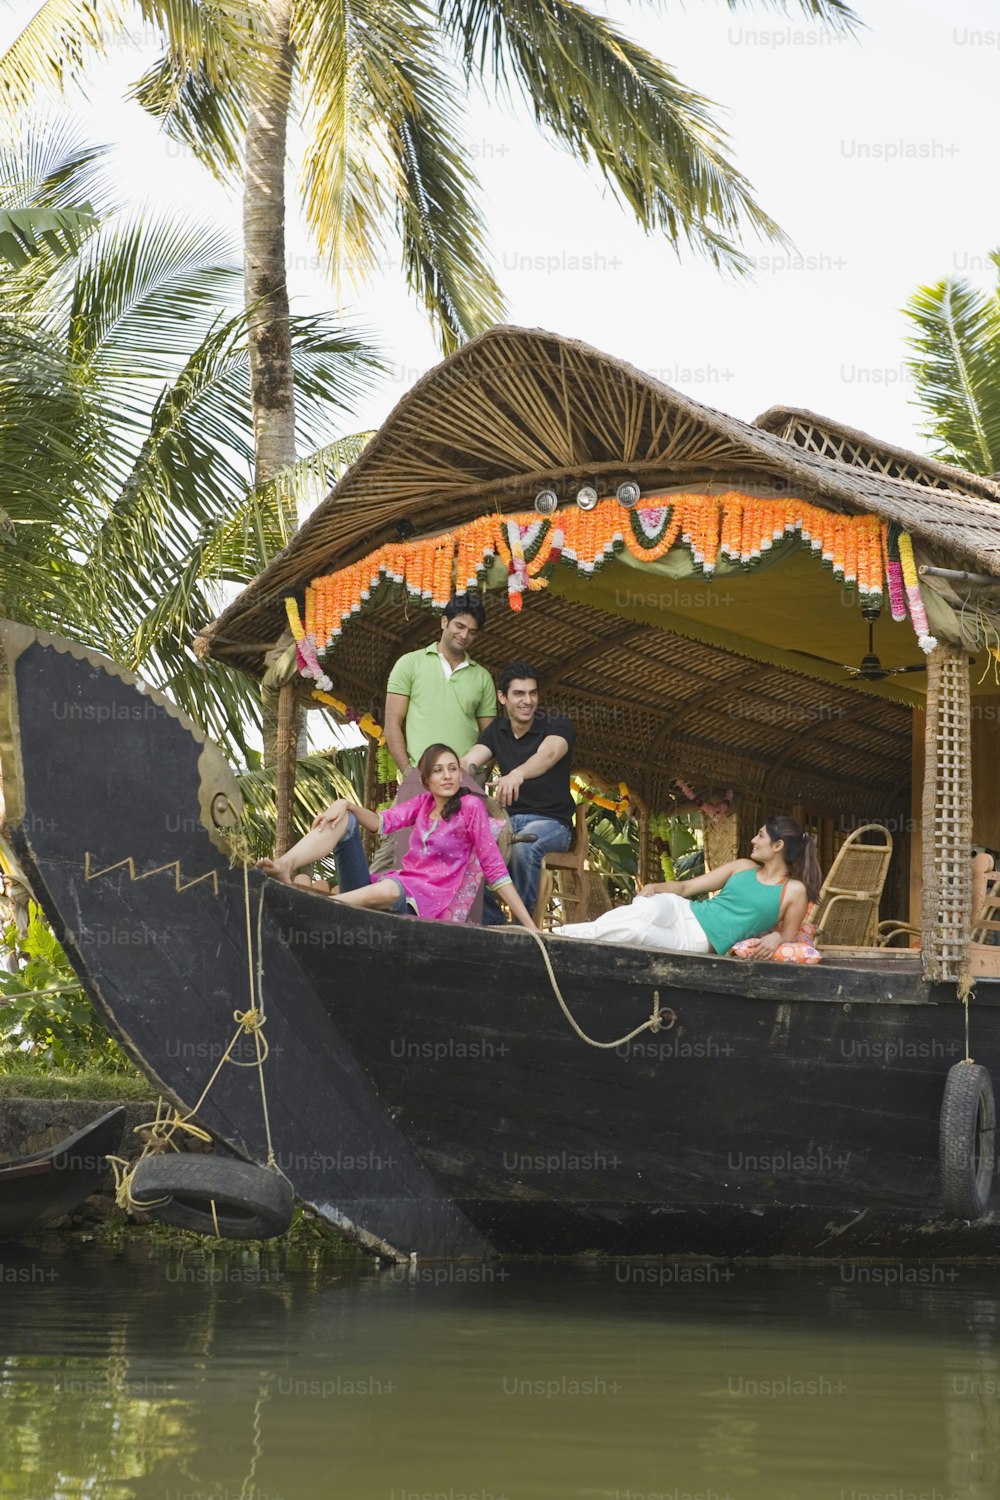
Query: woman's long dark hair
{"points": [[426, 764], [799, 852]]}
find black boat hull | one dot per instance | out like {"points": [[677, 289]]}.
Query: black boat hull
{"points": [[425, 1092], [36, 1189]]}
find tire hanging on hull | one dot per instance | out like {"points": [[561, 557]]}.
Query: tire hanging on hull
{"points": [[213, 1195], [967, 1140]]}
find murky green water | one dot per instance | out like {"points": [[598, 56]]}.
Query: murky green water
{"points": [[139, 1374]]}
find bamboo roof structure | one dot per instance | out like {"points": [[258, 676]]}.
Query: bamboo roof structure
{"points": [[848, 445], [519, 408]]}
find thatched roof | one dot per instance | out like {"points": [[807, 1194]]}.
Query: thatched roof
{"points": [[517, 408], [848, 445]]}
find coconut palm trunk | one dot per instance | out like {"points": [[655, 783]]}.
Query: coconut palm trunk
{"points": [[272, 389], [271, 380]]}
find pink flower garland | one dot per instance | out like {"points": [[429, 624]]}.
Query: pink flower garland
{"points": [[710, 810]]}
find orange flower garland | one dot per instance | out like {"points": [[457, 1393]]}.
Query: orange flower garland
{"points": [[742, 528], [670, 534], [622, 804]]}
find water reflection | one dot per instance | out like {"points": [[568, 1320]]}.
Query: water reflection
{"points": [[143, 1373]]}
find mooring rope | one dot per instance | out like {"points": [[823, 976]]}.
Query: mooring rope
{"points": [[658, 1020], [966, 990], [250, 1022]]}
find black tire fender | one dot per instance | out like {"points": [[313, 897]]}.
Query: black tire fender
{"points": [[967, 1140], [251, 1202]]}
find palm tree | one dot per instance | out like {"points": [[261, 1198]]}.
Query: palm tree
{"points": [[125, 453], [125, 437], [377, 86], [956, 367]]}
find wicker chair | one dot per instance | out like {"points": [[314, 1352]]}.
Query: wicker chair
{"points": [[566, 878], [985, 951], [847, 910]]}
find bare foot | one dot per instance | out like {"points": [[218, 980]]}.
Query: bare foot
{"points": [[277, 870]]}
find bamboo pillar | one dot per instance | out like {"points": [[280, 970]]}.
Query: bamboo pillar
{"points": [[947, 817], [285, 753], [370, 792]]}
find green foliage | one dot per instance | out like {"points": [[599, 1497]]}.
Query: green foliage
{"points": [[955, 340], [27, 232], [44, 1013], [381, 88], [677, 841], [613, 849], [126, 436], [319, 779]]}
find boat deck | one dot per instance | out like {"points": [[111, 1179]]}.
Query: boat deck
{"points": [[892, 960]]}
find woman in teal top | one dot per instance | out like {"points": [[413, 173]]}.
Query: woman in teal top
{"points": [[763, 897]]}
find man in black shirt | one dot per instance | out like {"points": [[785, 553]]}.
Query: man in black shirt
{"points": [[533, 751]]}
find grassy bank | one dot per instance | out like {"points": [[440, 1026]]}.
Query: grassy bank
{"points": [[23, 1079]]}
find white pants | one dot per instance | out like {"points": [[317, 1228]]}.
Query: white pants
{"points": [[661, 921]]}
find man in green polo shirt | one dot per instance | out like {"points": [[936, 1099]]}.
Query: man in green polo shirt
{"points": [[437, 694]]}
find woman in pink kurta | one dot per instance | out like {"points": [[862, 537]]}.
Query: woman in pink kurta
{"points": [[452, 846]]}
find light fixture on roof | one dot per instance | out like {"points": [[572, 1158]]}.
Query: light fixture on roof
{"points": [[546, 502], [586, 497], [628, 494]]}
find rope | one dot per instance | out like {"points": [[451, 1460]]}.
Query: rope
{"points": [[124, 1172], [966, 990], [249, 1022], [656, 1021]]}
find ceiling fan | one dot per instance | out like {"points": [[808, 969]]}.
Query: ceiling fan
{"points": [[870, 668]]}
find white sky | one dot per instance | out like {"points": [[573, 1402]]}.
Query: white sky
{"points": [[876, 155]]}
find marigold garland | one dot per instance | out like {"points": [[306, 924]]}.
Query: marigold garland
{"points": [[621, 805], [305, 647], [365, 722], [739, 527]]}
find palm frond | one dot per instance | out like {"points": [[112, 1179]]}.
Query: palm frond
{"points": [[55, 46], [184, 522], [221, 39], [613, 104], [149, 288], [956, 368], [298, 489], [382, 111], [207, 118], [834, 13], [45, 426], [46, 163], [442, 233], [343, 67], [318, 780], [335, 367]]}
